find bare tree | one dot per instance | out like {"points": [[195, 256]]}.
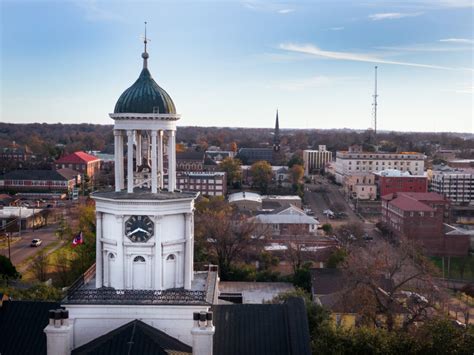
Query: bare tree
{"points": [[40, 265], [389, 278]]}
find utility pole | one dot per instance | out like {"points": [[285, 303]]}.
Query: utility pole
{"points": [[374, 104], [9, 251]]}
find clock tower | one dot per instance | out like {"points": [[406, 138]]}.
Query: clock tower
{"points": [[144, 227]]}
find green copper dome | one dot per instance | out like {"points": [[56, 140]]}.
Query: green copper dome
{"points": [[145, 96]]}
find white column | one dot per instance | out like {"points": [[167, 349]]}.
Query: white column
{"points": [[158, 255], [154, 172], [98, 252], [160, 158], [121, 167], [117, 135], [138, 153], [130, 161], [188, 252], [171, 161], [121, 259]]}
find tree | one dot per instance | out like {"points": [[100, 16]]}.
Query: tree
{"points": [[337, 257], [224, 234], [7, 270], [296, 159], [39, 266], [262, 175], [233, 147], [383, 278], [233, 169], [63, 230], [180, 147], [327, 228], [297, 173]]}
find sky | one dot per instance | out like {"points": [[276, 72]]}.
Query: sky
{"points": [[234, 63]]}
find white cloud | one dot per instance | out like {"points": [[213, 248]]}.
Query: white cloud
{"points": [[466, 90], [335, 28], [425, 47], [393, 15], [357, 57], [285, 11], [457, 40]]}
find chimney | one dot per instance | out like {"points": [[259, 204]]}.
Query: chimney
{"points": [[203, 333], [58, 333]]}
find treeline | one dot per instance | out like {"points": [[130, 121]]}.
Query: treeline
{"points": [[53, 139]]}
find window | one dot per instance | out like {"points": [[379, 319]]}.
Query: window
{"points": [[170, 257], [111, 257], [139, 259], [156, 109]]}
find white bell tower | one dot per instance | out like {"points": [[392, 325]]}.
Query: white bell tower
{"points": [[145, 234]]}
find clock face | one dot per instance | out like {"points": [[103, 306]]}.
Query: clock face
{"points": [[139, 229]]}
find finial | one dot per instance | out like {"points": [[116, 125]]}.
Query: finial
{"points": [[145, 53]]}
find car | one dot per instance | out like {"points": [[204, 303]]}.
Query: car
{"points": [[367, 237], [36, 243]]}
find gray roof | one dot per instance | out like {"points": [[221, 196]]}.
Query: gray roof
{"points": [[34, 175]]}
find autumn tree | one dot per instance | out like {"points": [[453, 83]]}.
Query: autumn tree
{"points": [[40, 265], [296, 173], [296, 159], [233, 169], [262, 175], [224, 234], [233, 147]]}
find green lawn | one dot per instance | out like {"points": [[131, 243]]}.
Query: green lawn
{"points": [[457, 264]]}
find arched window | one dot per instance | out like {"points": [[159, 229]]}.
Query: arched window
{"points": [[111, 256], [170, 257], [139, 259]]}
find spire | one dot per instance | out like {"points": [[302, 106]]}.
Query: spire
{"points": [[277, 124], [145, 53], [276, 134]]}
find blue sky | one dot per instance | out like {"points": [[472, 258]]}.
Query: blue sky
{"points": [[233, 63]]}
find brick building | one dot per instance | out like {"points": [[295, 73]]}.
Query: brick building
{"points": [[81, 162], [62, 180], [15, 152], [190, 161], [207, 183], [420, 217], [392, 181]]}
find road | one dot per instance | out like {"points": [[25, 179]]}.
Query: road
{"points": [[323, 194], [21, 250]]}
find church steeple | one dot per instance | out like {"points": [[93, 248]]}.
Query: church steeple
{"points": [[145, 54], [276, 134]]}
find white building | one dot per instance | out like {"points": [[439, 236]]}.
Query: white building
{"points": [[355, 161], [455, 184], [316, 159]]}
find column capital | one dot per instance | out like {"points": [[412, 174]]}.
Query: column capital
{"points": [[118, 132], [130, 132], [171, 132]]}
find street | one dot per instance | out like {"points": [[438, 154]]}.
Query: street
{"points": [[21, 250], [323, 195]]}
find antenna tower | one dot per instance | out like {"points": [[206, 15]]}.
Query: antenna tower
{"points": [[374, 104]]}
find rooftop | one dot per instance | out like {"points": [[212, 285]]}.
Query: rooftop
{"points": [[245, 196], [203, 291], [77, 158], [39, 175], [143, 194], [255, 292], [396, 173], [406, 203]]}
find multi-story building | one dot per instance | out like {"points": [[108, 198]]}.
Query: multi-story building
{"points": [[455, 184], [315, 160], [84, 163], [392, 180], [62, 180], [420, 217], [356, 161], [360, 186], [15, 152], [206, 183], [252, 155], [190, 161]]}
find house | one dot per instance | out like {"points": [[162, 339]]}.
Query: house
{"points": [[82, 162], [61, 180], [15, 152], [30, 218], [331, 289], [288, 221], [420, 217]]}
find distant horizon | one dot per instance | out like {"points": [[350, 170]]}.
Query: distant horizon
{"points": [[241, 127], [234, 63]]}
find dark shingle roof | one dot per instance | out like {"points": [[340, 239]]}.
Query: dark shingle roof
{"points": [[190, 156], [326, 281], [262, 329], [132, 338], [21, 326], [34, 175]]}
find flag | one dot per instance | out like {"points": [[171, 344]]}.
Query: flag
{"points": [[78, 239]]}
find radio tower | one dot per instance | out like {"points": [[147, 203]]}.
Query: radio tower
{"points": [[374, 104]]}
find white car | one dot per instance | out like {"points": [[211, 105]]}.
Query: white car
{"points": [[36, 243]]}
